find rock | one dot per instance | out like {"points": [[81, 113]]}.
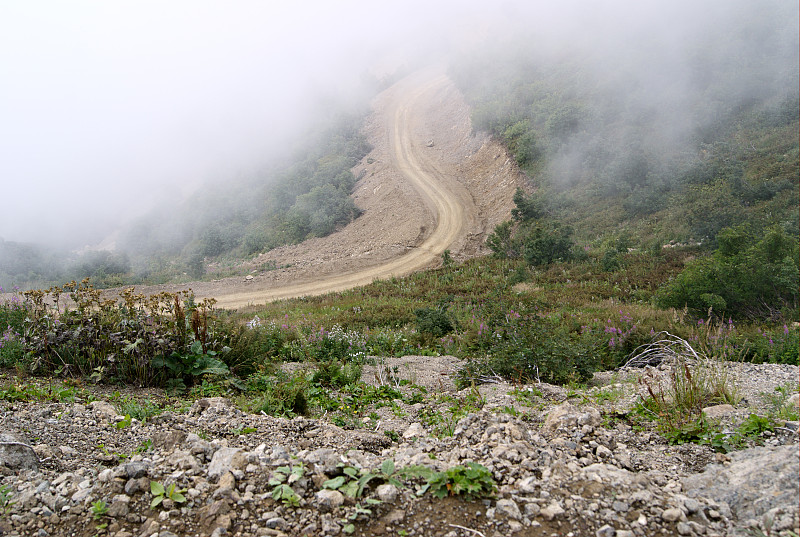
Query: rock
{"points": [[213, 404], [169, 439], [135, 470], [552, 511], [226, 460], [17, 455], [103, 410], [387, 493], [507, 509], [603, 452], [718, 411], [414, 430], [672, 514], [328, 500], [606, 531], [393, 517], [793, 402], [755, 481], [568, 417]]}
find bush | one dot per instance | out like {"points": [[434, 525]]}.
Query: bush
{"points": [[434, 322], [748, 276]]}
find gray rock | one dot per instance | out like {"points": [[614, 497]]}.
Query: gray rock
{"points": [[276, 523], [606, 531], [414, 430], [673, 514], [103, 410], [387, 493], [552, 511], [226, 460], [568, 417], [135, 470], [756, 481], [718, 411], [507, 509], [16, 454], [328, 500]]}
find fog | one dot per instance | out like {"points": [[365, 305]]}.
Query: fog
{"points": [[107, 108]]}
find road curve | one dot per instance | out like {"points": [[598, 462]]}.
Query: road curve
{"points": [[427, 178]]}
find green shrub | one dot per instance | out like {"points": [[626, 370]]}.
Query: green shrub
{"points": [[280, 394], [749, 276], [434, 322]]}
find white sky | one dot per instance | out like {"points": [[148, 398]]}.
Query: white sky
{"points": [[108, 104]]}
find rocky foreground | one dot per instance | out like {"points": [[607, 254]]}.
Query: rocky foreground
{"points": [[565, 463]]}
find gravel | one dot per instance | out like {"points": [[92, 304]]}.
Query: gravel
{"points": [[561, 466]]}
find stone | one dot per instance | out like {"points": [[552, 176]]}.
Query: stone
{"points": [[507, 509], [135, 470], [606, 531], [603, 452], [672, 514], [168, 439], [276, 523], [16, 455], [568, 417], [414, 430], [103, 410], [718, 411], [328, 500], [754, 482], [387, 493], [225, 460], [552, 511]]}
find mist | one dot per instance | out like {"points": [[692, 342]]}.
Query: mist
{"points": [[109, 108]]}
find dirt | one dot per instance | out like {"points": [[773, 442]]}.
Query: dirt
{"points": [[430, 184]]}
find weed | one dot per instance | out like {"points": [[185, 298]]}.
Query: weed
{"points": [[677, 402], [472, 481], [124, 422], [140, 410], [353, 481], [392, 434], [160, 493], [99, 510], [6, 500], [282, 481]]}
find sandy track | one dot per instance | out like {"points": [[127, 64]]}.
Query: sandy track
{"points": [[418, 199], [427, 179]]}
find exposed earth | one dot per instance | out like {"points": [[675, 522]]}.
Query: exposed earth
{"points": [[430, 184]]}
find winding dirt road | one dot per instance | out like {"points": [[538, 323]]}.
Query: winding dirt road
{"points": [[427, 178], [429, 184]]}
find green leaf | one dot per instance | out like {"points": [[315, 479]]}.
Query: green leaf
{"points": [[349, 528], [177, 497], [387, 467], [334, 483], [350, 489], [156, 488], [197, 347], [352, 472], [156, 501]]}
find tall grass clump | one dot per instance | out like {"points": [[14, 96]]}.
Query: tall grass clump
{"points": [[695, 379]]}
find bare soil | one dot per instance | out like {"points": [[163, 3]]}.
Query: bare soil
{"points": [[430, 184]]}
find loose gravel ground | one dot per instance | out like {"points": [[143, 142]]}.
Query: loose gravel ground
{"points": [[566, 462]]}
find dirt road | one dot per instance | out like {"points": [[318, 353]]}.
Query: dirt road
{"points": [[428, 185]]}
